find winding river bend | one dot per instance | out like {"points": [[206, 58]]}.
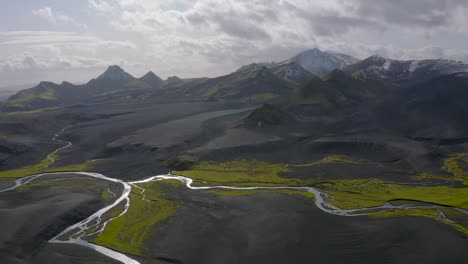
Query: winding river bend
{"points": [[95, 224]]}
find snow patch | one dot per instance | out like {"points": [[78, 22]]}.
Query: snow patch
{"points": [[387, 65], [413, 66]]}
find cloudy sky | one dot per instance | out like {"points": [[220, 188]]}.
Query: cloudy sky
{"points": [[75, 40]]}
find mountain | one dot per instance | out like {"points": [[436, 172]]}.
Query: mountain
{"points": [[114, 82], [42, 95], [403, 73], [116, 74], [292, 72], [174, 81], [338, 88], [147, 81], [152, 79], [314, 61], [433, 109], [319, 62], [250, 83]]}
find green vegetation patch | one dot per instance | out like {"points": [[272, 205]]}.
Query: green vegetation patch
{"points": [[43, 166], [455, 165], [425, 212], [461, 226], [26, 97], [227, 192], [351, 194], [129, 232], [241, 173], [334, 159]]}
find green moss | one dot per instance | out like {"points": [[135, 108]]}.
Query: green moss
{"points": [[25, 97], [351, 194], [241, 173], [429, 213], [227, 192], [334, 159], [128, 233], [461, 226], [454, 165], [43, 166]]}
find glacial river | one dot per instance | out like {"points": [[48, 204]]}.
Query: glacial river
{"points": [[95, 224]]}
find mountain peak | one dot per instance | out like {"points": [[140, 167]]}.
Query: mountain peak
{"points": [[115, 73], [321, 62], [152, 79]]}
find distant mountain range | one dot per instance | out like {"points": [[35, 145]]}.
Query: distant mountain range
{"points": [[403, 72], [311, 77]]}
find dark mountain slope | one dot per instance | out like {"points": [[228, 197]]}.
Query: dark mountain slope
{"points": [[337, 89], [292, 72], [435, 109]]}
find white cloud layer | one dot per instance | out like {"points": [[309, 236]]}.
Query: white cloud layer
{"points": [[48, 14]]}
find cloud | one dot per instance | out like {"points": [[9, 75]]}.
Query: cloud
{"points": [[40, 55], [48, 14], [426, 14], [218, 35]]}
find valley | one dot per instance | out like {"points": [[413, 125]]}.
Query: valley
{"points": [[272, 163]]}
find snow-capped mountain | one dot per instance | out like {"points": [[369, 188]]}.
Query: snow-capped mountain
{"points": [[319, 62], [314, 61], [404, 72], [115, 73]]}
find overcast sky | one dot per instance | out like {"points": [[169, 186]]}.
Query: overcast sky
{"points": [[76, 40]]}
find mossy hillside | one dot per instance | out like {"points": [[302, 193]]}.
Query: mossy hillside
{"points": [[30, 97], [129, 232], [352, 194], [268, 114], [240, 173]]}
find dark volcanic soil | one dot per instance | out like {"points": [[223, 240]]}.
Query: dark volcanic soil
{"points": [[278, 228]]}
